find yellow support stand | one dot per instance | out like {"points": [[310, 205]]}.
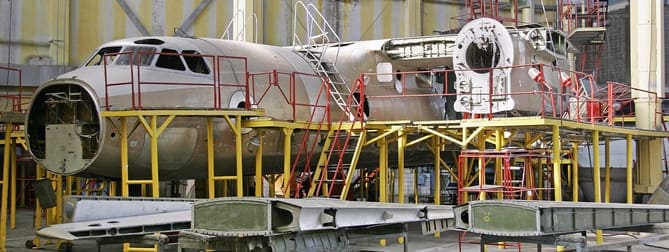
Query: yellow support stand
{"points": [[401, 141], [436, 143], [236, 128], [383, 170], [259, 177], [5, 190], [596, 177], [574, 172], [287, 139]]}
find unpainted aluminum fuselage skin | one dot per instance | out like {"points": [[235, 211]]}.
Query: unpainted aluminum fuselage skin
{"points": [[67, 134]]}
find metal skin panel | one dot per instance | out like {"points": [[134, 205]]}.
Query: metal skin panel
{"points": [[79, 209], [503, 219], [118, 227], [232, 216], [63, 147], [509, 218]]}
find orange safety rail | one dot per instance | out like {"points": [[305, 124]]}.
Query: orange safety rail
{"points": [[324, 92], [273, 78], [135, 81], [337, 146], [273, 81], [17, 100], [489, 9], [305, 148], [621, 97], [583, 13]]}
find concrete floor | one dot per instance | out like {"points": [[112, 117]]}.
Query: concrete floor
{"points": [[448, 241]]}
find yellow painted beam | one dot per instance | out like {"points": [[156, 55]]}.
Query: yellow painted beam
{"points": [[12, 182], [401, 144], [238, 156], [211, 183], [628, 171], [155, 187], [596, 178], [383, 170], [574, 172], [259, 175], [287, 136], [436, 146], [557, 172], [5, 188], [607, 170], [123, 132]]}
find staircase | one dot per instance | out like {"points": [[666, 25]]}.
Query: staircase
{"points": [[312, 46], [341, 151]]}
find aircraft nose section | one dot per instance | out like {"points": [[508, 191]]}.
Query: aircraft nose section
{"points": [[63, 126]]}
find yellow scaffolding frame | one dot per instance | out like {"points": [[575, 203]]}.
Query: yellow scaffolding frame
{"points": [[154, 130]]}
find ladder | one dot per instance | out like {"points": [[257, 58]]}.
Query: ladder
{"points": [[312, 47], [513, 180], [341, 151]]}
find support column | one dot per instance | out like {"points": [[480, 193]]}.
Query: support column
{"points": [[211, 185], [499, 137], [5, 184], [12, 183], [628, 171], [436, 145], [607, 170], [647, 73], [155, 189], [383, 170], [123, 132], [287, 139], [401, 142], [557, 160], [259, 175], [574, 172], [238, 156], [596, 177]]}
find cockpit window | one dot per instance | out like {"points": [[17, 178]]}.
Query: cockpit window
{"points": [[195, 62], [97, 58], [141, 55], [170, 59]]}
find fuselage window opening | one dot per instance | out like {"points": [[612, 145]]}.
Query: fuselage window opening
{"points": [[141, 55], [170, 59], [195, 63], [97, 57], [559, 43]]}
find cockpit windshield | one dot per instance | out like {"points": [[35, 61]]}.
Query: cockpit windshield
{"points": [[140, 55], [97, 58]]}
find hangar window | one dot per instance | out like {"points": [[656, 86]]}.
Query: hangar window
{"points": [[141, 55], [97, 58], [195, 62], [170, 59]]}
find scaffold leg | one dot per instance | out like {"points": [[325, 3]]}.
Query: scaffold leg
{"points": [[5, 182], [259, 176], [436, 145]]}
